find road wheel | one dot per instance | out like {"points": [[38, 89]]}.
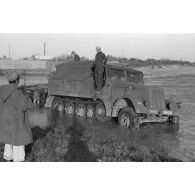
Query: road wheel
{"points": [[69, 108], [127, 117], [55, 102], [60, 107], [90, 111], [100, 111], [80, 110]]}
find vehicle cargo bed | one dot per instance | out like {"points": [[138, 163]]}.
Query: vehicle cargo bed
{"points": [[82, 89]]}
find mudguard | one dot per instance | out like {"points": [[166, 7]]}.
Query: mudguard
{"points": [[123, 102]]}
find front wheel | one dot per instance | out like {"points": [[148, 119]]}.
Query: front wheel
{"points": [[127, 117]]}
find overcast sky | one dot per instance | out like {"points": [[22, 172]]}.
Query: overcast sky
{"points": [[143, 46]]}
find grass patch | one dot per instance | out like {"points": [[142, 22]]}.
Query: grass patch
{"points": [[76, 142]]}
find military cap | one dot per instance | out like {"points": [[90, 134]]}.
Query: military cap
{"points": [[98, 47], [12, 76]]}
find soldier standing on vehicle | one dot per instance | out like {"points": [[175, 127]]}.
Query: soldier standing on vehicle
{"points": [[99, 65], [15, 129], [75, 56]]}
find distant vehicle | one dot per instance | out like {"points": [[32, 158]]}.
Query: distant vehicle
{"points": [[124, 95]]}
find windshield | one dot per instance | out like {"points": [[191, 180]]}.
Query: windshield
{"points": [[115, 74]]}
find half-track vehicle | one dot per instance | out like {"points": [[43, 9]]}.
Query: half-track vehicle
{"points": [[123, 96]]}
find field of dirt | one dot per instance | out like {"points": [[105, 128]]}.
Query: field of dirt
{"points": [[70, 139], [167, 71]]}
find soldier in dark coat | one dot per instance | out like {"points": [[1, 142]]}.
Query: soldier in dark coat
{"points": [[75, 56], [15, 129], [99, 65]]}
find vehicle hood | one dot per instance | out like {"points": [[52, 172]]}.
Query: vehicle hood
{"points": [[152, 94], [126, 84]]}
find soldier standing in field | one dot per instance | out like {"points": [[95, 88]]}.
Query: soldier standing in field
{"points": [[75, 56], [15, 129], [99, 65]]}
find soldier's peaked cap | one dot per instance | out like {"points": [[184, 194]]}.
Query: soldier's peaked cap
{"points": [[98, 47], [12, 76]]}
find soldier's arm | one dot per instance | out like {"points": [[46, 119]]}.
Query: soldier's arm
{"points": [[27, 103], [105, 59], [94, 63]]}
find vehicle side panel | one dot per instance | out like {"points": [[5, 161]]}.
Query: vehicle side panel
{"points": [[83, 89]]}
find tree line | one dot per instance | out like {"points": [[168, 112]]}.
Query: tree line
{"points": [[147, 62]]}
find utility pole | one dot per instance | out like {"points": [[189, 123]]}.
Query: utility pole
{"points": [[122, 53], [44, 48], [9, 48], [9, 51]]}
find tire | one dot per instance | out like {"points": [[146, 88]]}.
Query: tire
{"points": [[55, 103], [60, 107], [100, 111], [69, 108], [127, 118], [173, 120], [80, 110], [90, 111]]}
